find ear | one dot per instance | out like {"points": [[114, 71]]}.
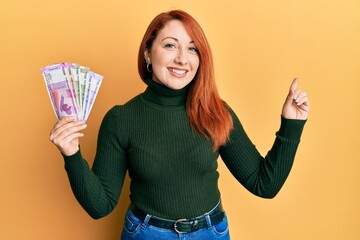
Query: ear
{"points": [[147, 56]]}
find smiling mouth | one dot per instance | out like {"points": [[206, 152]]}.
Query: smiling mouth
{"points": [[177, 71]]}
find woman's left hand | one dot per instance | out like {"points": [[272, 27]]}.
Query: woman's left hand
{"points": [[297, 104]]}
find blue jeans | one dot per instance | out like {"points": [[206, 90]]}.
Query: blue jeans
{"points": [[135, 229]]}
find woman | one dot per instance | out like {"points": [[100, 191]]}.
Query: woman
{"points": [[169, 138]]}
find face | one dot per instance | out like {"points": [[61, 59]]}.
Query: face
{"points": [[173, 56]]}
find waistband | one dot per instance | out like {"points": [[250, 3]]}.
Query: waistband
{"points": [[215, 216]]}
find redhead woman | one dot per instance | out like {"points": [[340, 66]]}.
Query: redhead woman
{"points": [[169, 138]]}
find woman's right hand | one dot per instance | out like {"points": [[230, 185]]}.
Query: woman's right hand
{"points": [[66, 133]]}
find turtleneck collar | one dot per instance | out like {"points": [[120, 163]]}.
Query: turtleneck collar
{"points": [[160, 95]]}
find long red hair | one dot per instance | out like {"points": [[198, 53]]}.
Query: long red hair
{"points": [[206, 111]]}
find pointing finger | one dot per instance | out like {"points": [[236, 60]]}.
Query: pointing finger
{"points": [[294, 85]]}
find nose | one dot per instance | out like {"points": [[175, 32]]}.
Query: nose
{"points": [[181, 57]]}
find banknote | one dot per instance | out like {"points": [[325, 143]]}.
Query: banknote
{"points": [[83, 75], [72, 89], [91, 90]]}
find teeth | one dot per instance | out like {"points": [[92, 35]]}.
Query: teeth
{"points": [[178, 71]]}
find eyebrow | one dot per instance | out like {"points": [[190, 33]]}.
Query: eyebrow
{"points": [[175, 39]]}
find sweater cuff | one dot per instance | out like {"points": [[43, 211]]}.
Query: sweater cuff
{"points": [[74, 161], [291, 128]]}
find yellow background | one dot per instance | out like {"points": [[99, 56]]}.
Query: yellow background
{"points": [[258, 46]]}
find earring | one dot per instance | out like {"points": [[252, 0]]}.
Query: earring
{"points": [[148, 67]]}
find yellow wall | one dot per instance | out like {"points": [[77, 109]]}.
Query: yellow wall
{"points": [[259, 46]]}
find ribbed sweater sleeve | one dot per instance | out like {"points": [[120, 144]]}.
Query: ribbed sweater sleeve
{"points": [[98, 189], [262, 176]]}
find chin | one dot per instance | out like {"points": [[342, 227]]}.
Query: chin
{"points": [[176, 87], [179, 86]]}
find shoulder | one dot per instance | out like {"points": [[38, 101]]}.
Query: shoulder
{"points": [[238, 131], [119, 114], [232, 113], [118, 120], [120, 109]]}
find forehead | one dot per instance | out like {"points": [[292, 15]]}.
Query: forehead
{"points": [[174, 29]]}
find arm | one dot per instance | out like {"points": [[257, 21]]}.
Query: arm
{"points": [[264, 176], [97, 189]]}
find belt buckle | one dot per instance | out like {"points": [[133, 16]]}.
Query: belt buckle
{"points": [[175, 225]]}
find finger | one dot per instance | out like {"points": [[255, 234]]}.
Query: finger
{"points": [[301, 101], [70, 145], [64, 142], [299, 95], [63, 121], [67, 119], [294, 84], [61, 126], [304, 104], [290, 96], [296, 93], [67, 129]]}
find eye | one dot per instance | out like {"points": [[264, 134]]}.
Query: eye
{"points": [[194, 49], [169, 45]]}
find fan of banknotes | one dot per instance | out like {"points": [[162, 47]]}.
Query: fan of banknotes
{"points": [[72, 89]]}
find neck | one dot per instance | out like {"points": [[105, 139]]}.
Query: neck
{"points": [[161, 95]]}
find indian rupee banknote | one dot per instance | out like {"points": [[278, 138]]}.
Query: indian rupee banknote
{"points": [[72, 89]]}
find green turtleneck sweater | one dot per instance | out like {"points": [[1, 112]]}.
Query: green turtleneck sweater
{"points": [[173, 169]]}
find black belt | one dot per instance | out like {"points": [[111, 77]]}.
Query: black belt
{"points": [[181, 225]]}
